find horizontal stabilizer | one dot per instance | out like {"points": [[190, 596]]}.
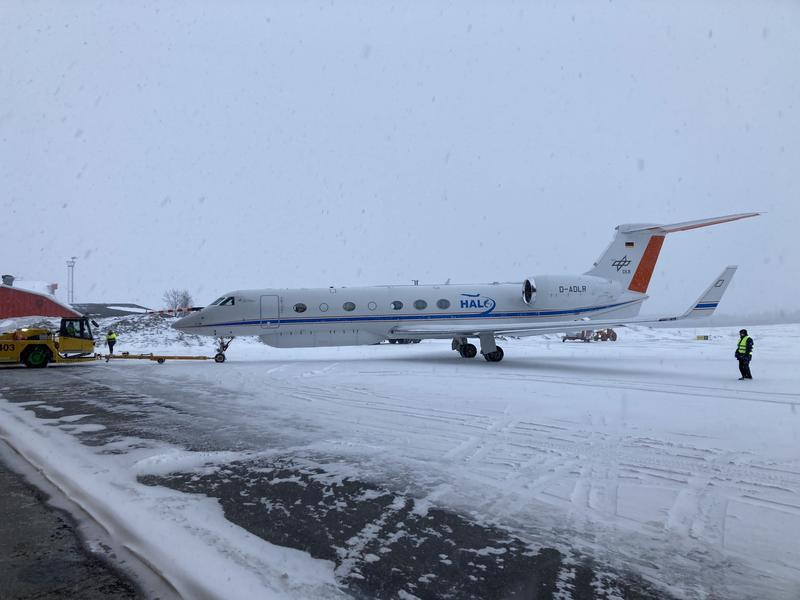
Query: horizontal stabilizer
{"points": [[631, 257], [687, 225]]}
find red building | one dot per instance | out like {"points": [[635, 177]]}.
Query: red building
{"points": [[17, 302]]}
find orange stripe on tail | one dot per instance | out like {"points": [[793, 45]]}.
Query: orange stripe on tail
{"points": [[641, 279]]}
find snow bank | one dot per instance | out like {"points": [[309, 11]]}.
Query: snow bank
{"points": [[184, 537]]}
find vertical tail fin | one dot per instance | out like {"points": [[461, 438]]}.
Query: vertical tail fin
{"points": [[632, 255]]}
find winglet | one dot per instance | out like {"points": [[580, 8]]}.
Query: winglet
{"points": [[708, 301]]}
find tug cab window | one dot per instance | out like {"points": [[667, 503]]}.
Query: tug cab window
{"points": [[75, 328]]}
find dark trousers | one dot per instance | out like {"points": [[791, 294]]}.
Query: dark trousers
{"points": [[111, 346], [744, 367]]}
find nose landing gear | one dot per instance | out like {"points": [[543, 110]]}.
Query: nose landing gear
{"points": [[222, 346]]}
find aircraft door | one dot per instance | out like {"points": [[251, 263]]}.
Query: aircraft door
{"points": [[270, 312]]}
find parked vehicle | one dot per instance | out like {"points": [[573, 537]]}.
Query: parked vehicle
{"points": [[36, 347], [587, 335]]}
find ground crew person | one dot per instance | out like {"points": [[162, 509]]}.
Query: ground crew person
{"points": [[111, 339], [744, 353]]}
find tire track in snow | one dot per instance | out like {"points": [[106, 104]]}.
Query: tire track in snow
{"points": [[594, 472], [600, 476]]}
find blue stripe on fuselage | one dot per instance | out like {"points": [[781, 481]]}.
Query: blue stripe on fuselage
{"points": [[377, 318]]}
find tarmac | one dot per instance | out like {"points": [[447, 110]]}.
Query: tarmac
{"points": [[42, 555], [306, 512]]}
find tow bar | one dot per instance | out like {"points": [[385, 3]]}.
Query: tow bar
{"points": [[159, 358]]}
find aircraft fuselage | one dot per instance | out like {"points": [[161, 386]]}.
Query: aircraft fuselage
{"points": [[348, 316]]}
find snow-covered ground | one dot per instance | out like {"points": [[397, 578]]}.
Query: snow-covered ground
{"points": [[646, 454]]}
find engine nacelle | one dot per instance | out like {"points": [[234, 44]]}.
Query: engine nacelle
{"points": [[529, 291]]}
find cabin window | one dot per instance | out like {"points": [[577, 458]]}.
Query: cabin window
{"points": [[443, 304], [420, 304], [300, 307], [323, 307], [372, 306], [397, 305], [349, 306]]}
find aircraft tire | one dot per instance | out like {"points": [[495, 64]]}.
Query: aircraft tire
{"points": [[495, 356], [468, 351], [219, 357]]}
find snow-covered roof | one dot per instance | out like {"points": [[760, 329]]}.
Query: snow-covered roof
{"points": [[31, 285]]}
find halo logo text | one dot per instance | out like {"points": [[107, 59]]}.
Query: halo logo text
{"points": [[475, 301]]}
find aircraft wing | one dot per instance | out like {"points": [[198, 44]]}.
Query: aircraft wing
{"points": [[705, 306]]}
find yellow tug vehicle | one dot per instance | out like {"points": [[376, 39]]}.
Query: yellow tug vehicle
{"points": [[36, 347]]}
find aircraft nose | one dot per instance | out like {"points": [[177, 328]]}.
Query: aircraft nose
{"points": [[185, 322]]}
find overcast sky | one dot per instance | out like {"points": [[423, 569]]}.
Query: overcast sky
{"points": [[221, 145]]}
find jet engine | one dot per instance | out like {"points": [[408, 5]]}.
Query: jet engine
{"points": [[529, 291]]}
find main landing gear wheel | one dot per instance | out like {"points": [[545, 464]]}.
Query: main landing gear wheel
{"points": [[468, 351], [495, 356], [219, 357]]}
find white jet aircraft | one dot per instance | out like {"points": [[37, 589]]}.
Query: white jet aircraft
{"points": [[609, 294]]}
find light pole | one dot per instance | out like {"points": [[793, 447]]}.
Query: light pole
{"points": [[71, 279]]}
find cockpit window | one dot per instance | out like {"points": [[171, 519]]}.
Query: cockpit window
{"points": [[224, 301]]}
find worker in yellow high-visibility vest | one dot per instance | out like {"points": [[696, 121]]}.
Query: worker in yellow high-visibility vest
{"points": [[744, 353], [111, 339]]}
